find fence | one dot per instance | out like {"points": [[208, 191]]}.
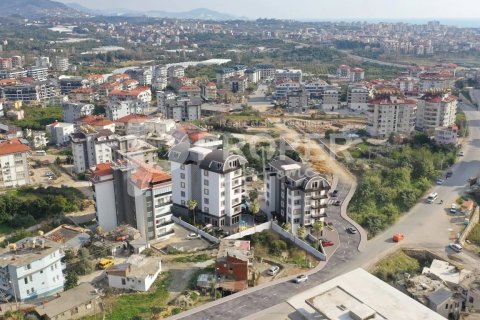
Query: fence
{"points": [[250, 231], [188, 226], [474, 219]]}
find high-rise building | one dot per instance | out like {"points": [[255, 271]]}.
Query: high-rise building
{"points": [[435, 110], [60, 64], [14, 163], [213, 178]]}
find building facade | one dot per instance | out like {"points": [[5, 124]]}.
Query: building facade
{"points": [[436, 110]]}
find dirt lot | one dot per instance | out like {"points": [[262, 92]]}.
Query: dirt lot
{"points": [[180, 242]]}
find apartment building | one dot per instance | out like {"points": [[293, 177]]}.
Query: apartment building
{"points": [[178, 109], [294, 75], [237, 84], [90, 147], [358, 97], [436, 81], [140, 98], [209, 91], [267, 71], [130, 147], [13, 74], [391, 114], [357, 74], [60, 132], [138, 273], [35, 92], [213, 178], [135, 194], [43, 62], [297, 101], [436, 110], [14, 163], [176, 71], [330, 98], [31, 269], [315, 88], [447, 135], [119, 109], [343, 72], [75, 110], [142, 75], [223, 74], [69, 83], [60, 64], [6, 63], [37, 73], [295, 193], [190, 92], [253, 75], [282, 90]]}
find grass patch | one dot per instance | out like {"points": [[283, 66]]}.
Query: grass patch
{"points": [[5, 228], [141, 305], [193, 258], [37, 118], [474, 235], [396, 265]]}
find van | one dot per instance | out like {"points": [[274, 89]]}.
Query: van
{"points": [[432, 197], [105, 263]]}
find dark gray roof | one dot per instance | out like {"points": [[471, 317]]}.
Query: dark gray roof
{"points": [[219, 161], [440, 296]]}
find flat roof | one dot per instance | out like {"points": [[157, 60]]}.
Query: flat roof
{"points": [[358, 293], [293, 166]]}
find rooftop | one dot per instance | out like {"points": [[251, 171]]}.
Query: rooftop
{"points": [[133, 118], [12, 146], [137, 265], [239, 249], [146, 176], [130, 93], [27, 250]]}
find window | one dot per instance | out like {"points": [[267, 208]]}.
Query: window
{"points": [[26, 280], [205, 200], [205, 191], [296, 220], [205, 209], [182, 194], [123, 281], [205, 173], [222, 194], [182, 167], [182, 175], [205, 182], [182, 184], [182, 202]]}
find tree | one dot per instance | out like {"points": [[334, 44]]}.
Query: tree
{"points": [[192, 205], [301, 232], [318, 228], [71, 280], [287, 227], [253, 195], [254, 207]]}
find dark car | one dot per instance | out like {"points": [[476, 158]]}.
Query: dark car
{"points": [[334, 193], [337, 203]]}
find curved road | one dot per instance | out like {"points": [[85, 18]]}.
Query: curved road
{"points": [[425, 226]]}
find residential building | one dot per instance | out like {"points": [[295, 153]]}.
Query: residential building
{"points": [[330, 98], [315, 88], [142, 75], [75, 110], [140, 97], [357, 74], [436, 81], [343, 72], [69, 83], [31, 269], [234, 265], [6, 63], [295, 193], [213, 178], [436, 110], [138, 273], [37, 73], [83, 95], [133, 124], [209, 92], [447, 135], [130, 147], [140, 197], [43, 62], [17, 61], [408, 85], [391, 114], [225, 73], [60, 64], [95, 80], [351, 296], [119, 109], [38, 139], [283, 89], [358, 97], [297, 101], [178, 109], [285, 75], [190, 92], [253, 75], [14, 163], [267, 71], [34, 92], [130, 84], [237, 84], [76, 303], [13, 74], [90, 147], [95, 122], [176, 71], [177, 83]]}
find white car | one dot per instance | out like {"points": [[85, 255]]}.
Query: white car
{"points": [[461, 153], [193, 235], [273, 270], [440, 181], [301, 278], [453, 208], [455, 247]]}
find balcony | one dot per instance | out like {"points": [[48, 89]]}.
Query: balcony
{"points": [[319, 215], [318, 205], [320, 196], [164, 224]]}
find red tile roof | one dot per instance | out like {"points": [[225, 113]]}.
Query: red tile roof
{"points": [[133, 118], [131, 93], [146, 176], [83, 90], [95, 121], [12, 146], [102, 169]]}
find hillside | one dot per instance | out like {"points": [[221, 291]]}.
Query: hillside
{"points": [[37, 9]]}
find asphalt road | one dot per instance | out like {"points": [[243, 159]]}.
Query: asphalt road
{"points": [[424, 226]]}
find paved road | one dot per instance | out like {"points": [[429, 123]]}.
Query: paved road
{"points": [[425, 225]]}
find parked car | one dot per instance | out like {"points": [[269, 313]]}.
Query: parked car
{"points": [[398, 237], [273, 270], [327, 243], [455, 247], [337, 203], [440, 181], [461, 154], [301, 278], [193, 235], [453, 208], [334, 193], [351, 230], [105, 263]]}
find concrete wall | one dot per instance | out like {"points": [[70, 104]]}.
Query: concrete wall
{"points": [[474, 219], [194, 229], [250, 231]]}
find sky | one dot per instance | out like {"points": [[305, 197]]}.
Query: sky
{"points": [[308, 9]]}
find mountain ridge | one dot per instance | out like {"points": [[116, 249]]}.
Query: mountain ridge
{"points": [[37, 9]]}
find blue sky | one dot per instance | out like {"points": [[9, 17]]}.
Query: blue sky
{"points": [[308, 9]]}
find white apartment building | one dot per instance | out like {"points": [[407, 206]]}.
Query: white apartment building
{"points": [[43, 62], [140, 197], [315, 88], [447, 135], [357, 98], [436, 110], [330, 99], [357, 74], [267, 71], [75, 110], [297, 101], [343, 72], [178, 109], [282, 90], [90, 147], [31, 269], [60, 64], [436, 81], [295, 193], [253, 75], [294, 75], [391, 114], [225, 73], [138, 273], [120, 109], [214, 178], [140, 97], [176, 71], [60, 132], [14, 166], [38, 73]]}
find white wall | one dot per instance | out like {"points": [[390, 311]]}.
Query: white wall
{"points": [[106, 208]]}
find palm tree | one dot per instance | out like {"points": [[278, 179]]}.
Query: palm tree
{"points": [[192, 205], [318, 228], [287, 227]]}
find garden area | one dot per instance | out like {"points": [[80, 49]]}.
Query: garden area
{"points": [[396, 265], [36, 118], [25, 207], [392, 178]]}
